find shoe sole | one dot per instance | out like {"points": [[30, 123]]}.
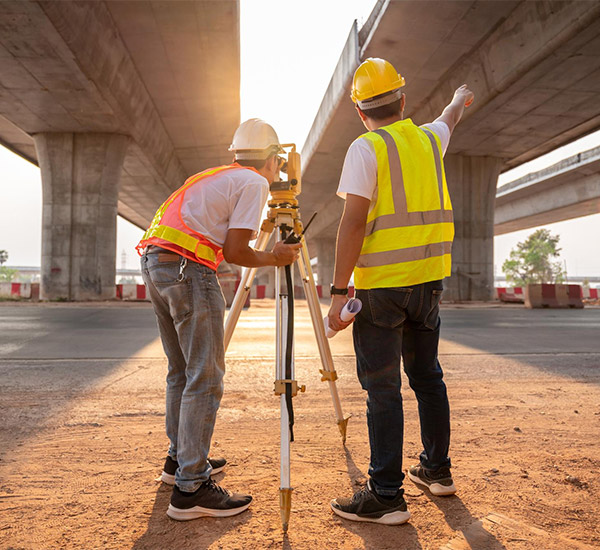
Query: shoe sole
{"points": [[393, 518], [169, 479], [181, 514], [436, 489]]}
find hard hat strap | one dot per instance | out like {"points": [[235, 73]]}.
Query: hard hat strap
{"points": [[380, 101], [257, 154]]}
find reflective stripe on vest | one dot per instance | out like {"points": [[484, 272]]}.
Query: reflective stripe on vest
{"points": [[199, 248], [409, 232], [183, 240]]}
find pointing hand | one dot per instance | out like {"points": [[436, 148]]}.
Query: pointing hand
{"points": [[465, 94]]}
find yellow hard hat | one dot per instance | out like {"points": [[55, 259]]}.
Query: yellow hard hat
{"points": [[374, 77]]}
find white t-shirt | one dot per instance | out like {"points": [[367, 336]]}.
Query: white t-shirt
{"points": [[359, 174], [230, 200]]}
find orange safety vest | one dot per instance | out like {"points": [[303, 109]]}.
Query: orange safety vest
{"points": [[169, 231]]}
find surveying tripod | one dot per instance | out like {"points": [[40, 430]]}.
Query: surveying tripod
{"points": [[284, 215]]}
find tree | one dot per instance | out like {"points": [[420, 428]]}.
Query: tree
{"points": [[3, 256], [586, 283], [531, 261], [7, 274]]}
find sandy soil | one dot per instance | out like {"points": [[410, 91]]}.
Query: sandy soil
{"points": [[80, 456]]}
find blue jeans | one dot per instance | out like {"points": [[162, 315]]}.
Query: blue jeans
{"points": [[401, 322], [189, 307]]}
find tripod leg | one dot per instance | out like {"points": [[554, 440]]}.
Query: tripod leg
{"points": [[241, 294], [282, 313], [328, 372]]}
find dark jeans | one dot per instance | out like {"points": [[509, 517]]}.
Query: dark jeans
{"points": [[405, 322]]}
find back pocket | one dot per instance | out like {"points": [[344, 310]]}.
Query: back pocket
{"points": [[388, 306], [176, 293], [431, 321]]}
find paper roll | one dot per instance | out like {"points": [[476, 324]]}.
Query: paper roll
{"points": [[352, 307]]}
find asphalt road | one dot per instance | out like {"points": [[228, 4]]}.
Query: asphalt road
{"points": [[114, 331]]}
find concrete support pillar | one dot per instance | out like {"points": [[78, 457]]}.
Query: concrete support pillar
{"points": [[472, 184], [325, 252], [80, 185], [270, 286]]}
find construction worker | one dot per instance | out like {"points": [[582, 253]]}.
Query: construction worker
{"points": [[396, 234], [212, 217]]}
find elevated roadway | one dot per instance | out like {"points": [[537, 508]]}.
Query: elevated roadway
{"points": [[566, 190], [117, 102], [535, 71]]}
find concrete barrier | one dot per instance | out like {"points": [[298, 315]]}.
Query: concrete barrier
{"points": [[15, 290], [553, 296], [510, 295]]}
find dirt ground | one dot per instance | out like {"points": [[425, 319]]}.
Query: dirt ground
{"points": [[82, 444]]}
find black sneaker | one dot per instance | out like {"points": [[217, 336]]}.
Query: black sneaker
{"points": [[367, 505], [208, 500], [439, 482], [170, 467]]}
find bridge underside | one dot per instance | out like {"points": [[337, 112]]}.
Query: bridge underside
{"points": [[150, 87]]}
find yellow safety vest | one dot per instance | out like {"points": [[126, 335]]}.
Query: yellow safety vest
{"points": [[409, 233]]}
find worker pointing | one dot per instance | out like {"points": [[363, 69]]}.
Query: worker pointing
{"points": [[212, 217], [396, 234]]}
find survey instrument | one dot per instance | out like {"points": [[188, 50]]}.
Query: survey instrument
{"points": [[283, 219]]}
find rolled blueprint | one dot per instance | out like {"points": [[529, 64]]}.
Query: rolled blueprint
{"points": [[352, 307]]}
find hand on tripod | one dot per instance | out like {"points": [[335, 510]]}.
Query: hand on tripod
{"points": [[286, 254]]}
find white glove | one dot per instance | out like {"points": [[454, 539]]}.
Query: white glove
{"points": [[352, 307]]}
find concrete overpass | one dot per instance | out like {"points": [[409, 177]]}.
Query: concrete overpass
{"points": [[117, 102], [535, 71], [568, 189]]}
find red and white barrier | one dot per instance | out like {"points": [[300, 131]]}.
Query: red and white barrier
{"points": [[258, 292], [508, 294], [15, 290], [590, 293], [553, 296], [131, 292]]}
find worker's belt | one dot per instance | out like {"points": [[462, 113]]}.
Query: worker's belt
{"points": [[163, 255]]}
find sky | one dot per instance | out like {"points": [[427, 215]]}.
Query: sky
{"points": [[288, 55]]}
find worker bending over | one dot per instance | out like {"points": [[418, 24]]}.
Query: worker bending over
{"points": [[212, 217], [396, 234]]}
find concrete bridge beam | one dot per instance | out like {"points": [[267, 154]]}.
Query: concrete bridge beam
{"points": [[472, 184], [80, 187]]}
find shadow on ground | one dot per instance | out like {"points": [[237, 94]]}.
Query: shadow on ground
{"points": [[162, 531], [51, 356]]}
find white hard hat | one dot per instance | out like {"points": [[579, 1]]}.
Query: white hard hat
{"points": [[255, 140]]}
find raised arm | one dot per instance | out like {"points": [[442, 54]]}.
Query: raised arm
{"points": [[463, 97]]}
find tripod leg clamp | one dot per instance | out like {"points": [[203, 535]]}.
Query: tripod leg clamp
{"points": [[328, 375], [281, 384]]}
